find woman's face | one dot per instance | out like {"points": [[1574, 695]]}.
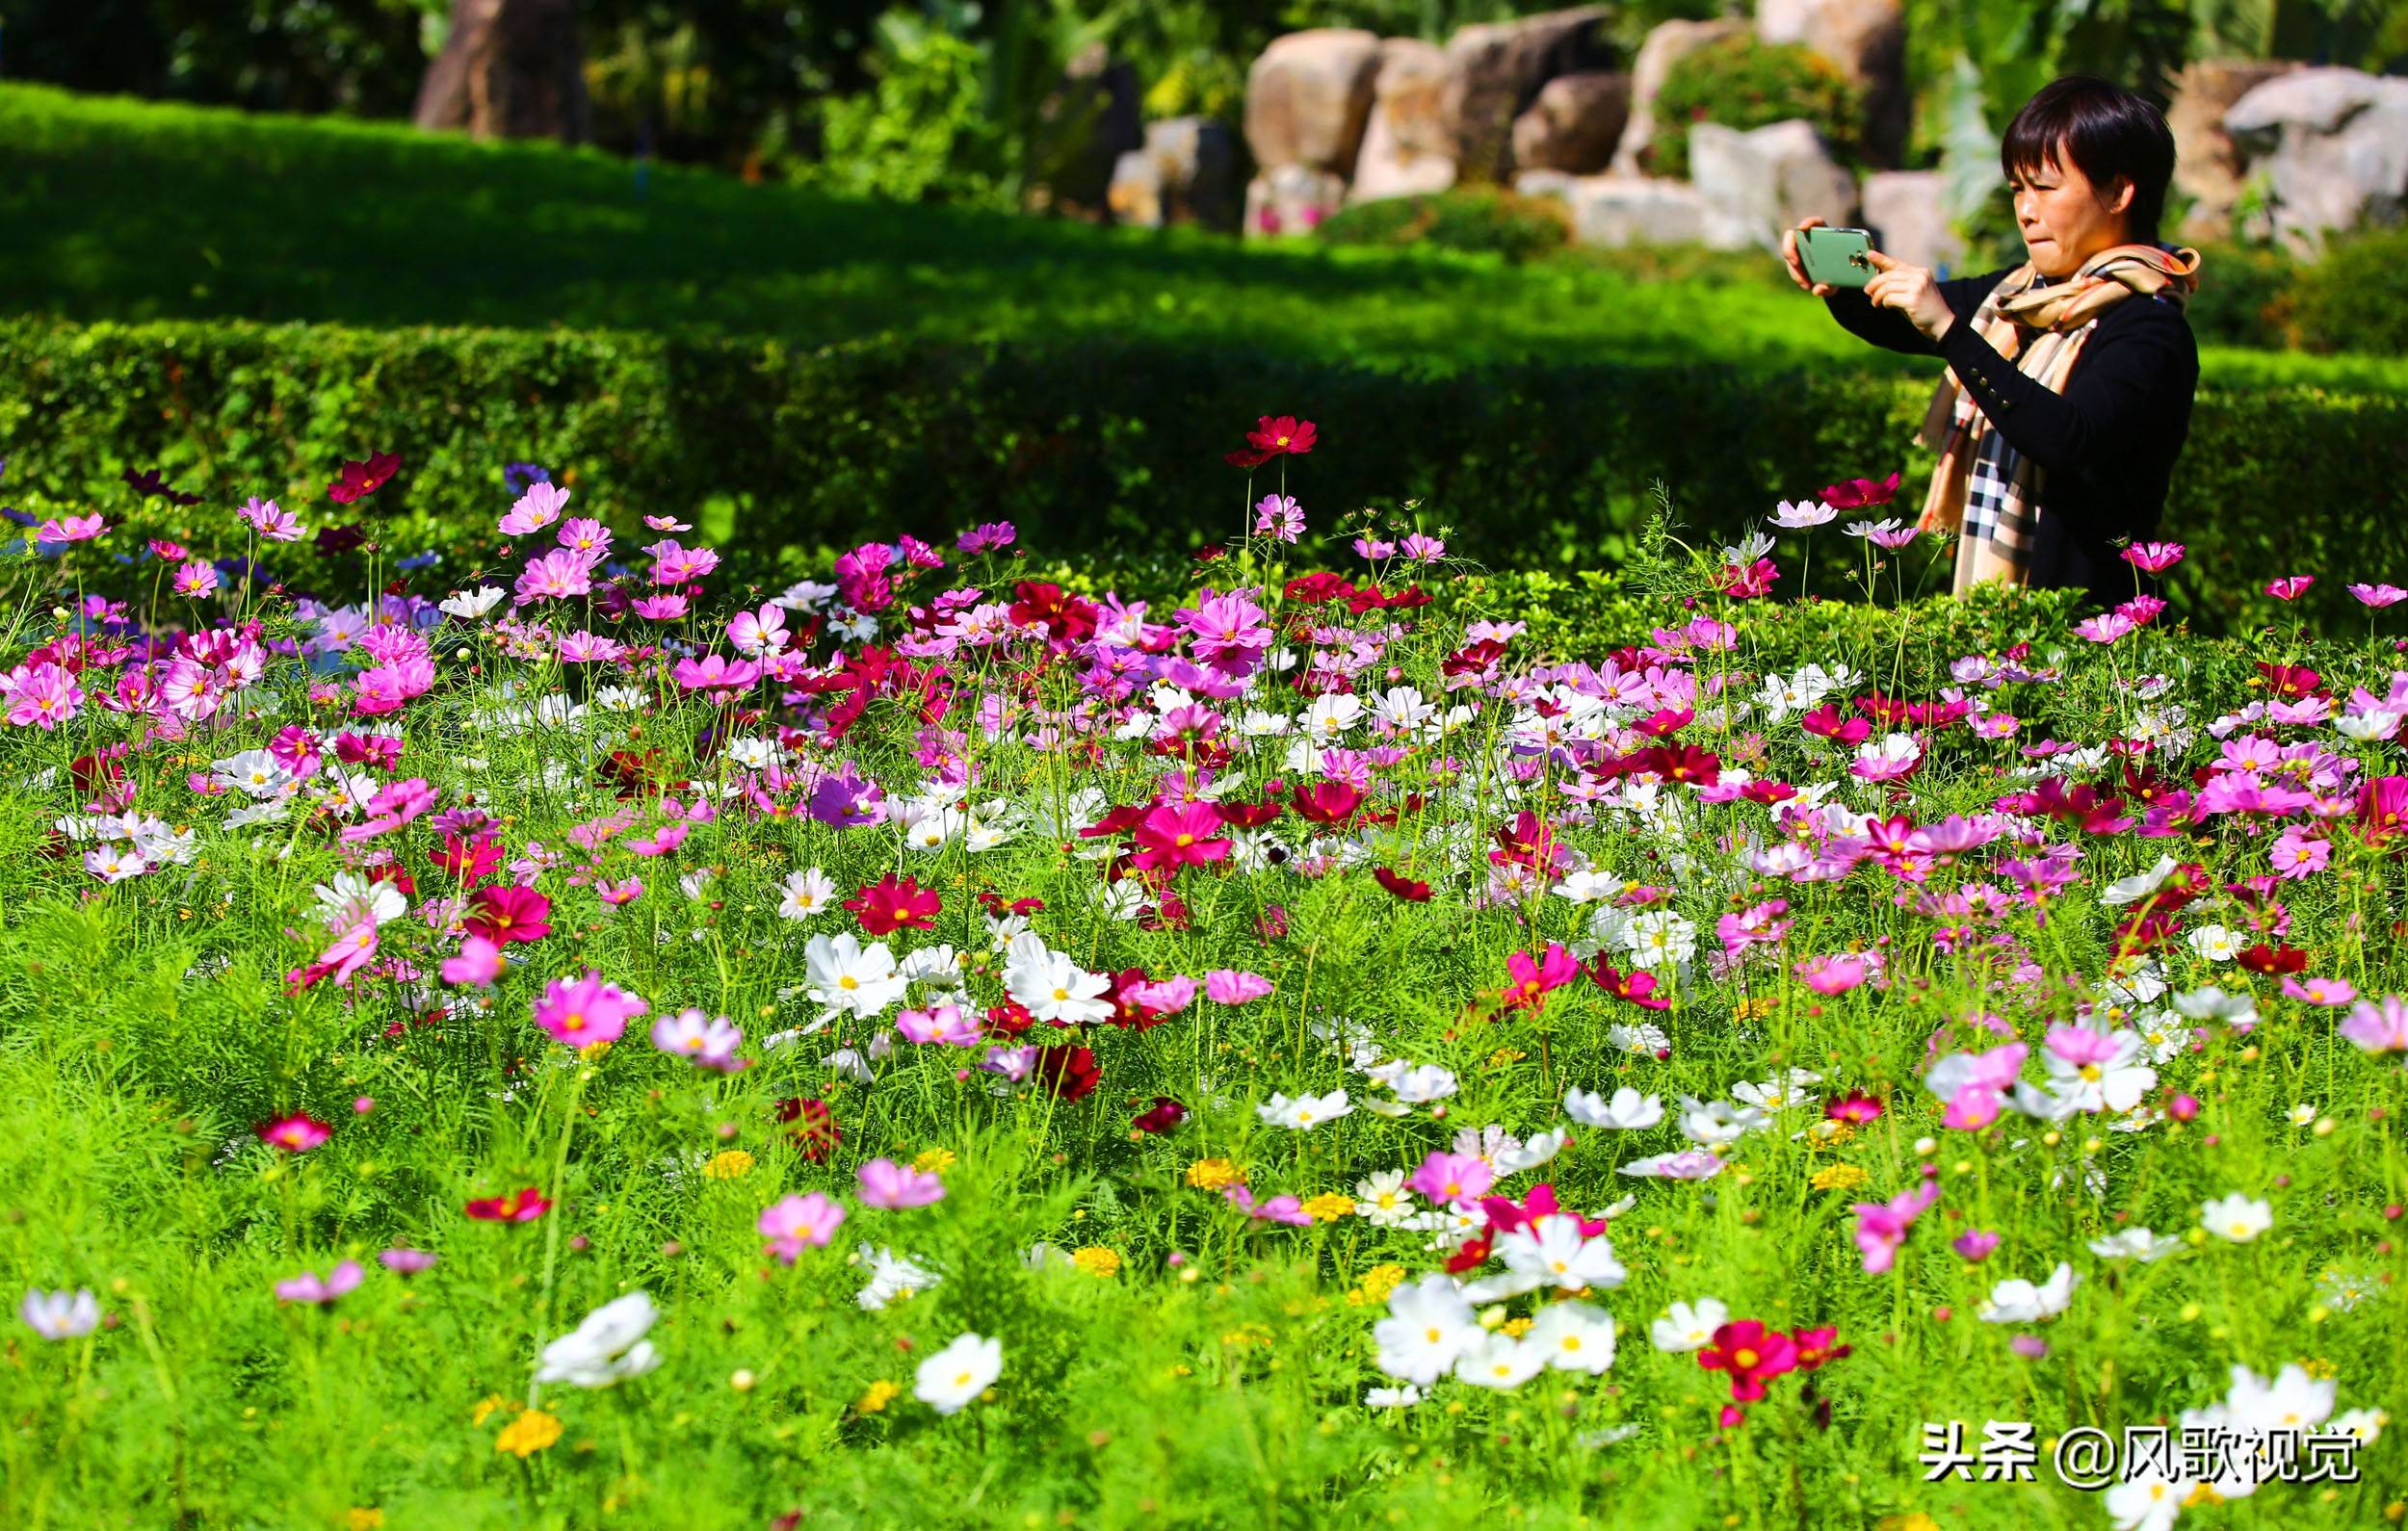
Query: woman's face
{"points": [[2065, 220]]}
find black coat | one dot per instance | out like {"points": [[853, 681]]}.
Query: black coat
{"points": [[2107, 444]]}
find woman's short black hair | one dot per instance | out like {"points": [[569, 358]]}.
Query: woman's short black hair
{"points": [[2107, 132]]}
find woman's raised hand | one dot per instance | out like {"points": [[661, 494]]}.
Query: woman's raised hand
{"points": [[1912, 289], [1797, 268]]}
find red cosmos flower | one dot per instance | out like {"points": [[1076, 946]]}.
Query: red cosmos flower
{"points": [[1068, 621], [297, 1133], [995, 905], [1176, 835], [522, 1206], [2284, 958], [887, 905], [1528, 841], [1273, 435], [1767, 791], [815, 1134], [1684, 763], [1816, 1350], [1826, 722], [1311, 589], [503, 915], [1242, 457], [1252, 815], [1164, 1115], [1637, 986], [1471, 1255], [1404, 888], [1009, 1019], [1327, 802], [1664, 722], [468, 860], [1750, 1352], [1855, 494], [1068, 1071], [359, 480], [1533, 979], [1272, 926], [1854, 1107]]}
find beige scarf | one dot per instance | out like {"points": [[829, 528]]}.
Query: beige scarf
{"points": [[1983, 488]]}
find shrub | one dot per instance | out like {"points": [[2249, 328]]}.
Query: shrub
{"points": [[1474, 220], [1538, 464], [1741, 83], [2356, 298], [2243, 297]]}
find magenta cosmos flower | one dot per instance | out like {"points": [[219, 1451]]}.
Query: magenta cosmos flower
{"points": [[890, 1187], [583, 1011], [312, 1288]]}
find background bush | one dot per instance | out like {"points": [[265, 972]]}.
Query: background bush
{"points": [[798, 449], [2356, 298], [1479, 220], [1741, 83]]}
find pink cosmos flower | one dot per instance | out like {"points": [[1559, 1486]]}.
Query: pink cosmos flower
{"points": [[478, 965], [2377, 596], [1279, 518], [1459, 1179], [709, 1041], [943, 1024], [41, 696], [195, 579], [618, 895], [270, 521], [1231, 986], [394, 805], [539, 508], [2378, 1029], [405, 1262], [312, 1288], [1881, 1226], [800, 1220], [2299, 852], [986, 538], [297, 1133], [1165, 996], [890, 1187], [1974, 1084], [2320, 990], [754, 634], [2155, 557], [2290, 587], [348, 952], [70, 529], [581, 1012], [1832, 975], [1421, 549], [2105, 628], [1284, 1209]]}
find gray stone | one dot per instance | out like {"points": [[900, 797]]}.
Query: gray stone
{"points": [[1288, 200], [1574, 126], [2206, 167], [1666, 44], [1409, 147], [508, 68], [1867, 38], [1757, 183], [1186, 173], [1908, 216], [2330, 147], [1309, 96], [1495, 71], [1613, 211]]}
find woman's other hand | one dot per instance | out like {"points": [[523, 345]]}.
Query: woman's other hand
{"points": [[1912, 290], [1797, 268]]}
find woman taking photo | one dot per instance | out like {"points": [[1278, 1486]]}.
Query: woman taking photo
{"points": [[2069, 376]]}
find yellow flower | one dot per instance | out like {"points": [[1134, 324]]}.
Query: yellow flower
{"points": [[364, 1518], [1376, 1284], [1212, 1175], [881, 1393], [934, 1161], [1754, 1009], [1097, 1260], [527, 1434], [1328, 1206], [1504, 1056], [1838, 1178], [729, 1164], [2319, 1368], [1517, 1327], [485, 1406]]}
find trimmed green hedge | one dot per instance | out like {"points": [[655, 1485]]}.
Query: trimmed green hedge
{"points": [[1096, 442]]}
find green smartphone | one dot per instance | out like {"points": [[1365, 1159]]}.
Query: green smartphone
{"points": [[1835, 256]]}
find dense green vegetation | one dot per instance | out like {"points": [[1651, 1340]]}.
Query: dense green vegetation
{"points": [[117, 210]]}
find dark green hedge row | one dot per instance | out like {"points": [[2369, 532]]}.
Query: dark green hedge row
{"points": [[1093, 445]]}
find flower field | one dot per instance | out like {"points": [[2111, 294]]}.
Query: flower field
{"points": [[551, 1031]]}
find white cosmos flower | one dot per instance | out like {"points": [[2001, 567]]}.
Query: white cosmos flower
{"points": [[840, 974], [1574, 1336], [1051, 987], [1629, 1111], [607, 1348], [1802, 514], [2134, 1243], [1497, 1360], [1306, 1112], [2236, 1217], [1385, 1201], [806, 893], [1428, 1328], [2020, 1302], [1415, 1084], [61, 1314], [2139, 885], [1554, 1248], [948, 1379], [1405, 1397], [2215, 942], [471, 606], [1688, 1326]]}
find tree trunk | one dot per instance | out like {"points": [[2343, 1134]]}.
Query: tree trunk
{"points": [[510, 68]]}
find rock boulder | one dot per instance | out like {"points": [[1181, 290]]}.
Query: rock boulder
{"points": [[1666, 45], [1309, 96], [1867, 38], [1575, 124], [1409, 147], [2331, 148], [1757, 183], [1495, 72], [1288, 200], [1186, 173], [2207, 168], [1909, 220]]}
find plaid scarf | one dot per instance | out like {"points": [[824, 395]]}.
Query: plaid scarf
{"points": [[1982, 487]]}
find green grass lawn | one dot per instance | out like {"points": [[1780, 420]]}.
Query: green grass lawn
{"points": [[123, 210]]}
